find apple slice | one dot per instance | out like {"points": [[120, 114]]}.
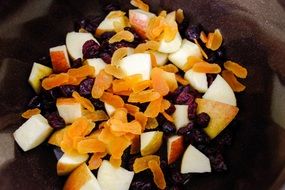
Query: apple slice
{"points": [[75, 41], [107, 25], [161, 58], [150, 142], [138, 63], [97, 63], [221, 115], [180, 116], [139, 20], [197, 80], [59, 59], [194, 161], [68, 109], [37, 73], [172, 46], [221, 91], [68, 162], [33, 132], [111, 178], [109, 109], [81, 179], [174, 148], [179, 58]]}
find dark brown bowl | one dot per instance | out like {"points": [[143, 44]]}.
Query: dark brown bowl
{"points": [[254, 33]]}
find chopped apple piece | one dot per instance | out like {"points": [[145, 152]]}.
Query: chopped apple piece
{"points": [[59, 59], [33, 132], [180, 116], [197, 80], [150, 142], [172, 46], [38, 72], [97, 63], [82, 179], [68, 109], [68, 162], [221, 115], [138, 63], [174, 148], [179, 58], [161, 58], [111, 178], [194, 161], [109, 109], [220, 91], [139, 20], [75, 41]]}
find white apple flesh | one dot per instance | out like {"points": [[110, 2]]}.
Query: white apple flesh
{"points": [[194, 161], [68, 162], [37, 73], [174, 148], [197, 80], [139, 20], [221, 91], [180, 116], [161, 58], [172, 46], [109, 109], [110, 178], [179, 58], [97, 63], [33, 132], [68, 109], [150, 142]]}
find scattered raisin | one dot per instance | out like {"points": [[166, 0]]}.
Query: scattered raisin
{"points": [[55, 120], [85, 86], [203, 119], [90, 49]]}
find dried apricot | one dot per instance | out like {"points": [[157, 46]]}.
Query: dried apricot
{"points": [[141, 163], [179, 16], [122, 35], [90, 146], [116, 14], [135, 146], [121, 114], [86, 103], [168, 117], [98, 115], [30, 112], [149, 45], [191, 61], [117, 146], [153, 108], [133, 127], [143, 96], [55, 81], [203, 37], [115, 71], [118, 55], [102, 82], [158, 176], [151, 123], [170, 30], [142, 119], [181, 80], [95, 161], [232, 81], [204, 67], [159, 84], [214, 40], [237, 69], [140, 4], [201, 49], [132, 109], [140, 86], [116, 162], [169, 68], [165, 104], [112, 99], [153, 60], [81, 72]]}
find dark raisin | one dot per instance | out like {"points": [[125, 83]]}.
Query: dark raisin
{"points": [[192, 110], [67, 90], [173, 95], [184, 96], [186, 130], [141, 185], [76, 63], [106, 57], [193, 32], [197, 136], [216, 159], [90, 49], [182, 28], [131, 162], [111, 7], [97, 104], [202, 119], [168, 128], [85, 87], [106, 36], [35, 102], [55, 120], [171, 109], [210, 79]]}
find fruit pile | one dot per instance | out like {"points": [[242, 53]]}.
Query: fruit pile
{"points": [[141, 101]]}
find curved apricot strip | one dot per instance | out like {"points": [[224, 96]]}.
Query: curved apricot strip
{"points": [[86, 103], [122, 35], [144, 96], [158, 176], [102, 82], [30, 112], [232, 81], [153, 108], [112, 99], [204, 67], [140, 4], [141, 164], [159, 84], [237, 69]]}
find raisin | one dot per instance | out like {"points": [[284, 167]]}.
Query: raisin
{"points": [[186, 130], [192, 110], [171, 109], [55, 120], [67, 90], [76, 63], [193, 32], [168, 127], [203, 119], [90, 49], [85, 87], [35, 102], [99, 105], [106, 57]]}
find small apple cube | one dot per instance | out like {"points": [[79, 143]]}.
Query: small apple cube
{"points": [[138, 63], [68, 162], [139, 20], [75, 41], [161, 58], [33, 132], [197, 80], [38, 72], [150, 142], [82, 179], [97, 63], [221, 91], [175, 148], [221, 115], [180, 116], [109, 109], [107, 25], [179, 58], [68, 109], [172, 46], [170, 80], [111, 178], [194, 161], [59, 59]]}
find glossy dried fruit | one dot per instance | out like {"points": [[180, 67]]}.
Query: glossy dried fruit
{"points": [[115, 71], [237, 69], [133, 127], [151, 123], [155, 27], [168, 117], [30, 112], [102, 82], [83, 101], [118, 55], [112, 99], [159, 84], [204, 67], [81, 72], [90, 49], [91, 145], [132, 109], [141, 164], [158, 176], [140, 4], [122, 35], [181, 80], [55, 121], [116, 162], [191, 61], [55, 81], [153, 108], [149, 45], [179, 16], [214, 40], [95, 161], [169, 68], [144, 96], [98, 115], [140, 86], [201, 49], [116, 14], [85, 86], [203, 37], [232, 81], [203, 119], [142, 119]]}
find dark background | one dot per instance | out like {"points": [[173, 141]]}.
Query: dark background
{"points": [[254, 34]]}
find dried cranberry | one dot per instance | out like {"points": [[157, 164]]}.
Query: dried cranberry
{"points": [[198, 136], [168, 128], [192, 110], [193, 32], [106, 57], [90, 49], [67, 90], [186, 130], [184, 96], [97, 104], [76, 63], [55, 120], [35, 102], [203, 119], [85, 86], [171, 109]]}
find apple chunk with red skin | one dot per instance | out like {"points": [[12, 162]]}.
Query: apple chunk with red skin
{"points": [[221, 115], [174, 148], [59, 59]]}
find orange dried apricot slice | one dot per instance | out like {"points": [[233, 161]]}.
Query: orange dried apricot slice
{"points": [[56, 137], [122, 35], [81, 72], [151, 123], [133, 127], [86, 103], [153, 108], [191, 61], [95, 161], [201, 49], [112, 99], [116, 162], [181, 80], [123, 93], [204, 67], [237, 69], [140, 4], [203, 37], [121, 114], [163, 13], [115, 71], [132, 109], [135, 146], [170, 30], [169, 68], [179, 16], [167, 116], [149, 45], [118, 145], [165, 104], [55, 81], [214, 40], [80, 127], [98, 115], [120, 85], [232, 81], [140, 86], [159, 84], [158, 176], [141, 163], [102, 82], [118, 55], [30, 112], [90, 146], [142, 119], [155, 27], [143, 96]]}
